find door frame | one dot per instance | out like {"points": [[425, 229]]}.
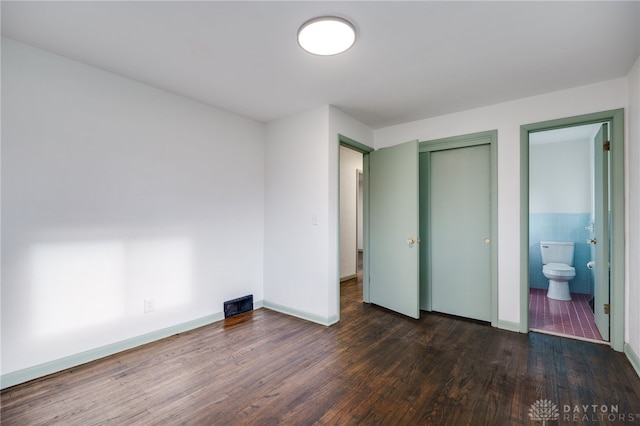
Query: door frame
{"points": [[616, 183], [364, 150], [359, 212], [425, 149]]}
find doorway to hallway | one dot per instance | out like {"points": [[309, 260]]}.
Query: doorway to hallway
{"points": [[352, 220]]}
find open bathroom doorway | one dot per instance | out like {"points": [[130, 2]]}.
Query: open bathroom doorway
{"points": [[569, 166], [562, 216]]}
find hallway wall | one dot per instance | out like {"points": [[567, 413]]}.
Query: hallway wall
{"points": [[350, 163]]}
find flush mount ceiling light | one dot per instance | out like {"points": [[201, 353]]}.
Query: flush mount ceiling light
{"points": [[327, 35]]}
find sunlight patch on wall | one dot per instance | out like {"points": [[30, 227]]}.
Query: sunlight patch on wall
{"points": [[76, 285], [80, 285]]}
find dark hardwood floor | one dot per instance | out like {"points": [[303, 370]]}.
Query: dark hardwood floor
{"points": [[373, 367]]}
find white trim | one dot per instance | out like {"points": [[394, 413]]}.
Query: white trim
{"points": [[301, 314], [348, 277], [509, 326]]}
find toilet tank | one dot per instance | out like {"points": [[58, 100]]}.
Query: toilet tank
{"points": [[557, 252]]}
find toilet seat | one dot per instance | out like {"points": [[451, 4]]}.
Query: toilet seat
{"points": [[559, 270]]}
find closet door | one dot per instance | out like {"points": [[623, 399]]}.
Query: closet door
{"points": [[460, 226]]}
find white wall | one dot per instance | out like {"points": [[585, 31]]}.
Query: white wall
{"points": [[350, 163], [297, 271], [114, 192], [301, 257], [632, 157], [507, 119], [560, 177]]}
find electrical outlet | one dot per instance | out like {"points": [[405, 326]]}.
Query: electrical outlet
{"points": [[148, 306]]}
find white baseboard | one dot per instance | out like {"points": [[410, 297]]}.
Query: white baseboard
{"points": [[348, 277], [301, 314], [509, 326]]}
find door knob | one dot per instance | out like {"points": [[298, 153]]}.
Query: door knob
{"points": [[413, 240], [487, 240], [592, 241]]}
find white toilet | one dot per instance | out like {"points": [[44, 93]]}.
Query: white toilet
{"points": [[557, 261]]}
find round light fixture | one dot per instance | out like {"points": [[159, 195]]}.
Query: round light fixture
{"points": [[327, 35]]}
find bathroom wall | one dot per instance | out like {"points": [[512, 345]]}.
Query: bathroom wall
{"points": [[560, 205]]}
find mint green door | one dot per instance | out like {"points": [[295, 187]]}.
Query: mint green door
{"points": [[460, 228], [393, 229], [601, 229]]}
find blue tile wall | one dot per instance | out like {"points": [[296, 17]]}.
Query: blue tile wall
{"points": [[561, 227]]}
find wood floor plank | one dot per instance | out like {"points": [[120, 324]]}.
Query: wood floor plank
{"points": [[374, 367]]}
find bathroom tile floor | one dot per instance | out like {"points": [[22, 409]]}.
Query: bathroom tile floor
{"points": [[573, 318]]}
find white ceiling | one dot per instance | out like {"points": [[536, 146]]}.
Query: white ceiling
{"points": [[411, 60]]}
